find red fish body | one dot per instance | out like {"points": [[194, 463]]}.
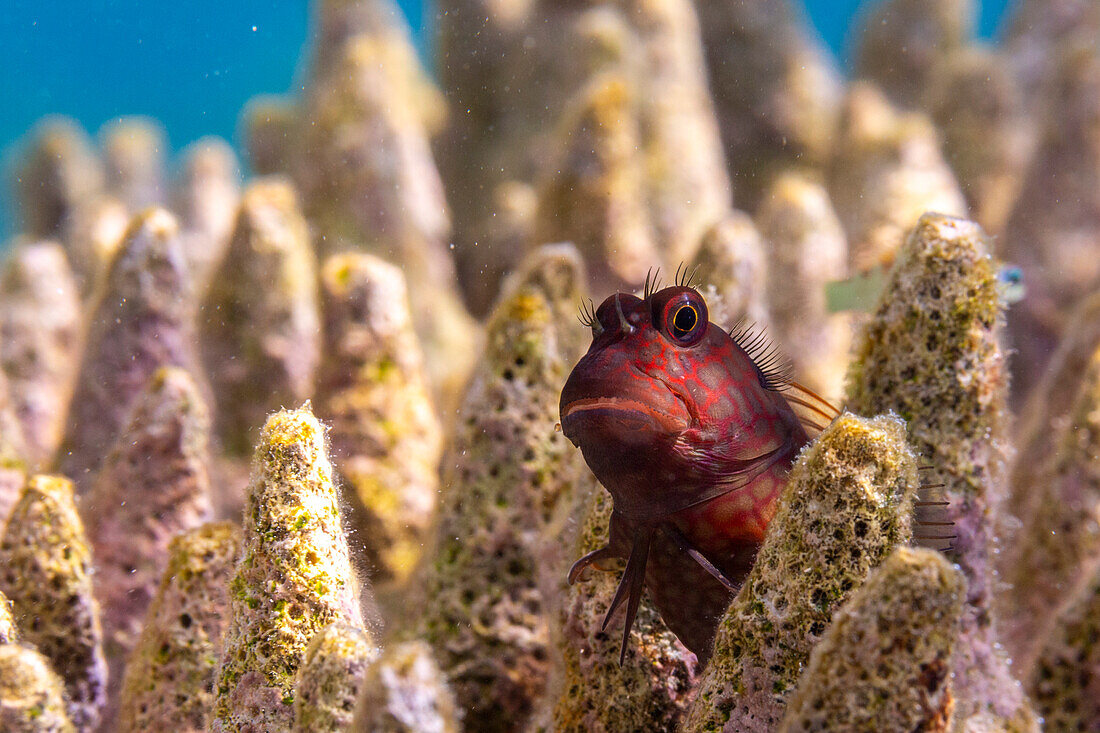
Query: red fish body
{"points": [[693, 439]]}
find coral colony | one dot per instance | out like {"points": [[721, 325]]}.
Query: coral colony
{"points": [[284, 454]]}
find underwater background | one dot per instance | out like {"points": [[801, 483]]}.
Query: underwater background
{"points": [[193, 66]]}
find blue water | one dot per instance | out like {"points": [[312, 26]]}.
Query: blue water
{"points": [[193, 65]]}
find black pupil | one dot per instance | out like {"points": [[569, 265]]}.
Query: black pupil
{"points": [[685, 319]]}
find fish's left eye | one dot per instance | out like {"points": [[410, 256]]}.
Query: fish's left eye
{"points": [[684, 317]]}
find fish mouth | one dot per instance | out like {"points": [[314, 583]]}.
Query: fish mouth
{"points": [[630, 415]]}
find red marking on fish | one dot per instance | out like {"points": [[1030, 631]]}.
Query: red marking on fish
{"points": [[692, 440]]}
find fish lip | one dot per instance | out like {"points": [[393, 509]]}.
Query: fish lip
{"points": [[621, 404]]}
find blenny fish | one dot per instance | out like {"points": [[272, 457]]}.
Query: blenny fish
{"points": [[691, 429]]}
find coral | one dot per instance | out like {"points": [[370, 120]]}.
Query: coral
{"points": [[508, 477], [594, 197], [268, 124], [293, 577], [340, 21], [886, 171], [687, 186], [94, 231], [385, 435], [589, 690], [1053, 228], [979, 109], [46, 572], [39, 341], [405, 692], [1061, 536], [169, 681], [13, 467], [732, 269], [846, 506], [932, 353], [134, 152], [57, 170], [31, 696], [1048, 407], [153, 485], [1065, 681], [206, 196], [807, 249], [901, 43], [260, 329], [776, 92], [140, 322], [884, 661], [331, 677], [363, 141], [8, 631]]}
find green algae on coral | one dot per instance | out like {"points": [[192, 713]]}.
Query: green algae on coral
{"points": [[169, 680], [589, 689], [154, 484], [293, 578], [141, 321], [384, 432], [883, 663], [39, 339], [932, 353], [846, 506], [404, 691], [1064, 680], [331, 677], [46, 572], [508, 480], [259, 324], [31, 695]]}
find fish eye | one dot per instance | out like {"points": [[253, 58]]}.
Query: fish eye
{"points": [[683, 320], [683, 315]]}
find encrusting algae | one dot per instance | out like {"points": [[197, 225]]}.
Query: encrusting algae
{"points": [[154, 485], [260, 328], [39, 342], [589, 690], [144, 287], [46, 572], [330, 678], [883, 663], [932, 353], [404, 691], [170, 676], [31, 695], [508, 483], [385, 436], [141, 322], [293, 577], [847, 505]]}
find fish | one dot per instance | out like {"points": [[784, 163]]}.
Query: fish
{"points": [[692, 430]]}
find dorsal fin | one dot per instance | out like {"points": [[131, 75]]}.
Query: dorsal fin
{"points": [[771, 364]]}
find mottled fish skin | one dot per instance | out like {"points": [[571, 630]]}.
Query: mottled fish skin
{"points": [[692, 439]]}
